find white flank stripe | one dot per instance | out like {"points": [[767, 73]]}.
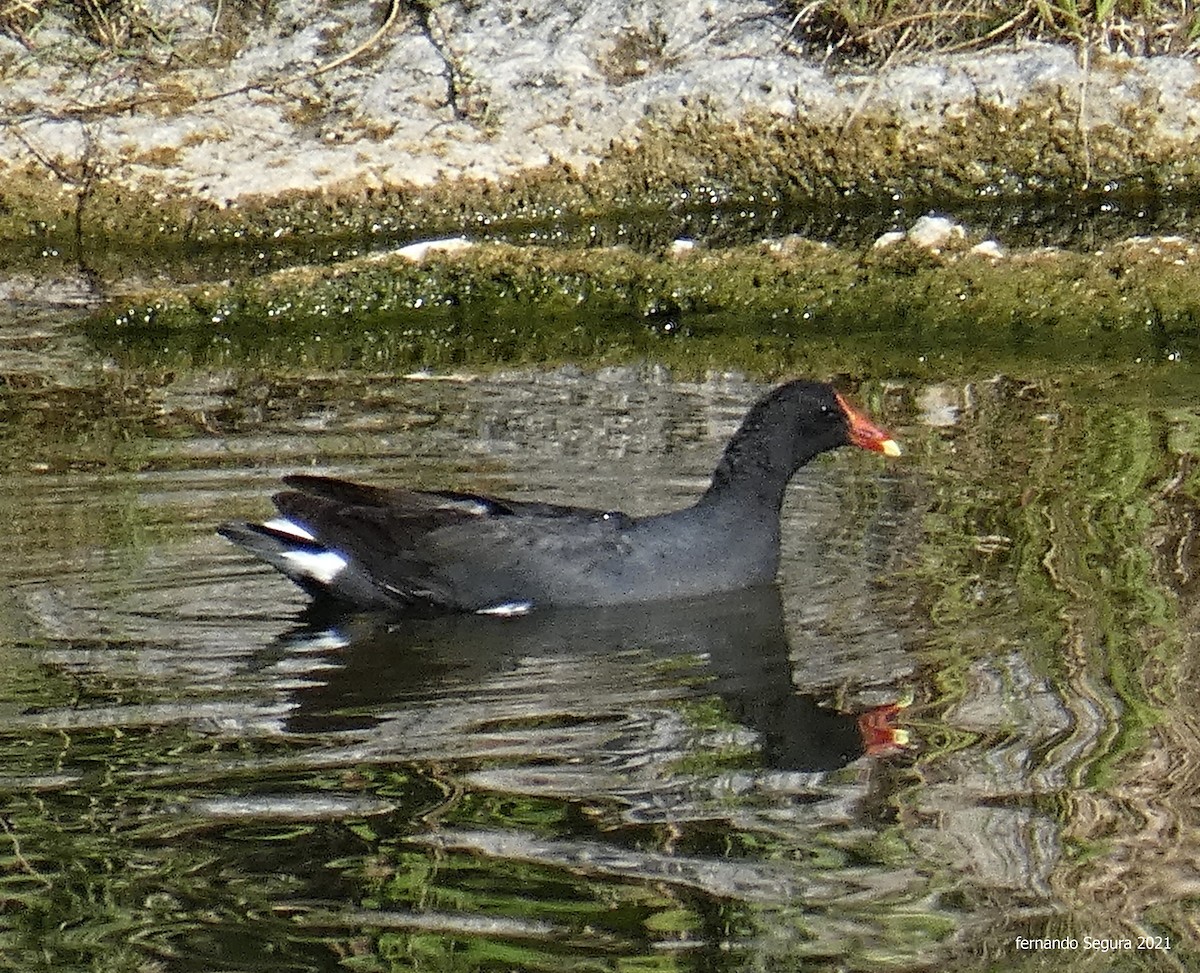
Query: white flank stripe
{"points": [[507, 609], [285, 526], [323, 567]]}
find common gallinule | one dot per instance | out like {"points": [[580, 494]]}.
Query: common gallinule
{"points": [[441, 551]]}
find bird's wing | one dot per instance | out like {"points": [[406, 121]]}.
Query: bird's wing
{"points": [[441, 550]]}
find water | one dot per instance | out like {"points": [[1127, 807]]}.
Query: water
{"points": [[965, 715]]}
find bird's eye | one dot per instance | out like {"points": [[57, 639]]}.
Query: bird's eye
{"points": [[824, 409]]}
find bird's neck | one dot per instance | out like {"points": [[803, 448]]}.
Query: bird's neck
{"points": [[761, 459], [748, 480]]}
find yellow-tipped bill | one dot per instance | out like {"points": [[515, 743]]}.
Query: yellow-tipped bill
{"points": [[864, 433]]}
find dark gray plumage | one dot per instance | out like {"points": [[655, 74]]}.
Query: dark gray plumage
{"points": [[436, 551]]}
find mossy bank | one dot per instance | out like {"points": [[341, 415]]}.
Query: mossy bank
{"points": [[259, 148], [778, 306]]}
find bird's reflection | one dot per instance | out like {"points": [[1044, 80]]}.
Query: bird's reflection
{"points": [[739, 640]]}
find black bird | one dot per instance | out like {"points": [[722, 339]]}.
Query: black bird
{"points": [[430, 552]]}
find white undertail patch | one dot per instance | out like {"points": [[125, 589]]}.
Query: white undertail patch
{"points": [[322, 566], [330, 639], [507, 609], [289, 527]]}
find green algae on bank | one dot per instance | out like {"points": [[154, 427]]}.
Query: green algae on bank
{"points": [[769, 307]]}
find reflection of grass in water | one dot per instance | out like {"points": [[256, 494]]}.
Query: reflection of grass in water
{"points": [[1079, 484], [1074, 487]]}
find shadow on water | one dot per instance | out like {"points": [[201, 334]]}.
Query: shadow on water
{"points": [[570, 787], [736, 643]]}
